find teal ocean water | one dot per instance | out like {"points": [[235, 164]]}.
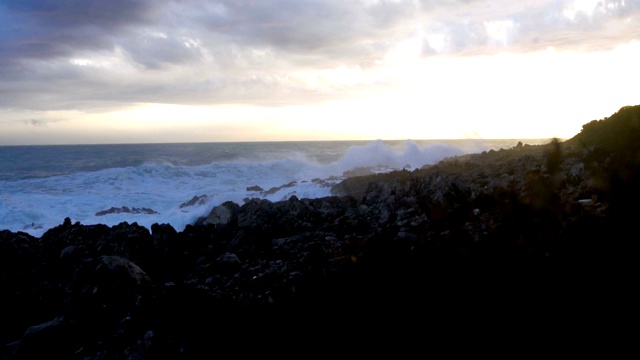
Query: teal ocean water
{"points": [[41, 185]]}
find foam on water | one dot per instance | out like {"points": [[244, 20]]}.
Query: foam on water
{"points": [[35, 205]]}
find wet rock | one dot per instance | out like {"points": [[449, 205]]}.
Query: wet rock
{"points": [[196, 200], [513, 232], [222, 214], [126, 210]]}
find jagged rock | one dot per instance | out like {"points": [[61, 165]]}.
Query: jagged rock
{"points": [[221, 215], [121, 270], [275, 189], [127, 210], [47, 340], [525, 232], [196, 200]]}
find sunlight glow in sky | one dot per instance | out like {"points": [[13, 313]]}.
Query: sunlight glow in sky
{"points": [[189, 71]]}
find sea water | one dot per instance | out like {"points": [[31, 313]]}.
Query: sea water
{"points": [[178, 183]]}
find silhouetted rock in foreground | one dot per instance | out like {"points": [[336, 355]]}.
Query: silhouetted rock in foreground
{"points": [[529, 233]]}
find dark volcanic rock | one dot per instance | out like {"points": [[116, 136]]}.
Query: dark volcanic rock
{"points": [[126, 210], [532, 233], [196, 200]]}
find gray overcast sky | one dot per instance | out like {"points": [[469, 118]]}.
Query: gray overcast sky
{"points": [[81, 71]]}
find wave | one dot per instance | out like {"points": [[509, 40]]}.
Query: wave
{"points": [[162, 188]]}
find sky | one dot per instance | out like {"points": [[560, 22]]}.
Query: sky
{"points": [[155, 71]]}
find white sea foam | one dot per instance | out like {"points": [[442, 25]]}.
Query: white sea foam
{"points": [[35, 205]]}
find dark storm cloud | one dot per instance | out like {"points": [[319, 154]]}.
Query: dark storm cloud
{"points": [[331, 28], [84, 54], [46, 28], [308, 31]]}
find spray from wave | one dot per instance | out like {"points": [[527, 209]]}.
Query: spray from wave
{"points": [[159, 192]]}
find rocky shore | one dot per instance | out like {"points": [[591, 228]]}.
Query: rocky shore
{"points": [[528, 232]]}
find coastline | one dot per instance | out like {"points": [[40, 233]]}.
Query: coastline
{"points": [[156, 183], [528, 231]]}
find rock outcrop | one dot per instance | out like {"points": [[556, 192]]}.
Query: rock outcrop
{"points": [[529, 232]]}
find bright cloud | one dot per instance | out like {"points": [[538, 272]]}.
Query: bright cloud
{"points": [[193, 70]]}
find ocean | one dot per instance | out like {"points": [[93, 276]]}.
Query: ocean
{"points": [[178, 183]]}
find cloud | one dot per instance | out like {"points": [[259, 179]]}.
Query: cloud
{"points": [[172, 32], [37, 122], [484, 27], [91, 54], [45, 29]]}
